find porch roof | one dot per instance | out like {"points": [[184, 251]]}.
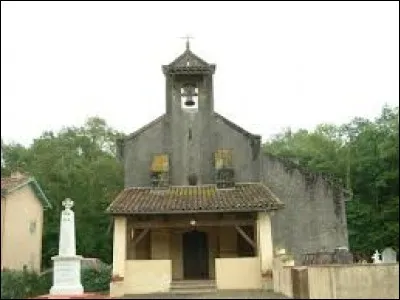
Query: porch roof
{"points": [[244, 197]]}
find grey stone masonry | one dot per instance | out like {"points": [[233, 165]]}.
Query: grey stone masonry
{"points": [[314, 218]]}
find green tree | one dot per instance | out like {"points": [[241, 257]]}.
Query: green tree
{"points": [[79, 163], [365, 155]]}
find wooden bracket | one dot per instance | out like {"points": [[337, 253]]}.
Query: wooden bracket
{"points": [[245, 236], [140, 236]]}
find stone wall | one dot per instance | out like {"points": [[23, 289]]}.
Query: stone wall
{"points": [[138, 151], [314, 217], [246, 149], [355, 281], [170, 135], [367, 281]]}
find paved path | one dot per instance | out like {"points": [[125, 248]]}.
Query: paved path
{"points": [[217, 295]]}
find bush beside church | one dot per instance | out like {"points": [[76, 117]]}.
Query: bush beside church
{"points": [[28, 284]]}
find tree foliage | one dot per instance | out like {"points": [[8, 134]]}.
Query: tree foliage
{"points": [[365, 155], [78, 163]]}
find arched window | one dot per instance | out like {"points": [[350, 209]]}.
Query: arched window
{"points": [[189, 96]]}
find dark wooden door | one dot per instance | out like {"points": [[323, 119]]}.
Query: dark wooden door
{"points": [[195, 255]]}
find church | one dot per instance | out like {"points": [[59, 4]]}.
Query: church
{"points": [[203, 206]]}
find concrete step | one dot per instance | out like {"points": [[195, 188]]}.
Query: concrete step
{"points": [[185, 283], [192, 291], [192, 286]]}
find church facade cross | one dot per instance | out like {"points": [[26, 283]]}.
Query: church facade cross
{"points": [[187, 38], [67, 203]]}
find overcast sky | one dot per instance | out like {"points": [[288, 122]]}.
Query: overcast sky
{"points": [[279, 64]]}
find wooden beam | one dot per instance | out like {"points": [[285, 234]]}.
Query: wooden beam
{"points": [[140, 236], [186, 223], [245, 236]]}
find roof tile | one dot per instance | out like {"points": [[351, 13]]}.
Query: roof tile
{"points": [[12, 182], [204, 198]]}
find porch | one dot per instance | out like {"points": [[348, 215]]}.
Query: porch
{"points": [[162, 253]]}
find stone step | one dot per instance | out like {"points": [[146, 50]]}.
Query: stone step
{"points": [[199, 287], [197, 283], [192, 291], [192, 286], [194, 281]]}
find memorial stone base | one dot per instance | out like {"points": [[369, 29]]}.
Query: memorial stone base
{"points": [[66, 275]]}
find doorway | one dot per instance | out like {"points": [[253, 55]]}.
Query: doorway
{"points": [[195, 255]]}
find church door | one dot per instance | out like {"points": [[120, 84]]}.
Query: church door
{"points": [[195, 255]]}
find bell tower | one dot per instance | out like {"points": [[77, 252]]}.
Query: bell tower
{"points": [[189, 118]]}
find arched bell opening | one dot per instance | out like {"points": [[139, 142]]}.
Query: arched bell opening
{"points": [[189, 96]]}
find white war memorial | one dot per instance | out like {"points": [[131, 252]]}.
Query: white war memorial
{"points": [[67, 265]]}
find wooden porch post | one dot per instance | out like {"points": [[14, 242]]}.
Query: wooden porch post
{"points": [[119, 246], [264, 242]]}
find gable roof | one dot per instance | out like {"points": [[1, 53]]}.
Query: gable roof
{"points": [[235, 126], [244, 197], [188, 62], [217, 115], [11, 184], [143, 128], [188, 56]]}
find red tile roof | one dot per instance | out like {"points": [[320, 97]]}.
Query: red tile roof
{"points": [[12, 182], [245, 197], [16, 180]]}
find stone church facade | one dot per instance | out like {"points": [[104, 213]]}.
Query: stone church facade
{"points": [[202, 202]]}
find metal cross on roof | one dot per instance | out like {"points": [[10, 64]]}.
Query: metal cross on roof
{"points": [[67, 203], [187, 37]]}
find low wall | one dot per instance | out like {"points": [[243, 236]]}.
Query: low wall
{"points": [[238, 273], [354, 281], [362, 281], [282, 274], [147, 276], [283, 281]]}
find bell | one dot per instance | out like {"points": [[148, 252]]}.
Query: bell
{"points": [[189, 101]]}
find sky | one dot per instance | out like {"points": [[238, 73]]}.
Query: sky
{"points": [[279, 64]]}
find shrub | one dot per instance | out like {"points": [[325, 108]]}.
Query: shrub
{"points": [[23, 284], [96, 279], [11, 284], [28, 284]]}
